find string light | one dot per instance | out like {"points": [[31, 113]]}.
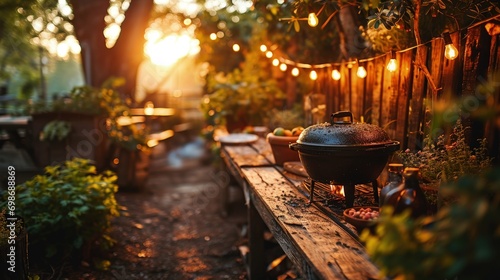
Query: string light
{"points": [[313, 75], [361, 72], [276, 62], [283, 67], [392, 65], [336, 75], [312, 20], [450, 51]]}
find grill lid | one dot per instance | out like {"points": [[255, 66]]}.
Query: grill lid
{"points": [[343, 133]]}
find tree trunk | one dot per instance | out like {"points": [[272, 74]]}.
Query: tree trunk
{"points": [[123, 59], [351, 41]]}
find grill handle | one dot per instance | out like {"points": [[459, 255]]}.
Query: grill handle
{"points": [[341, 114]]}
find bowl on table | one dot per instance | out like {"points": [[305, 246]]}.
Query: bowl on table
{"points": [[362, 217]]}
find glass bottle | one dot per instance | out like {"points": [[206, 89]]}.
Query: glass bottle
{"points": [[411, 196], [394, 182]]}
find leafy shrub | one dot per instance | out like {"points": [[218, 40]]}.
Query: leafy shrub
{"points": [[5, 231], [68, 207], [442, 162], [56, 130], [462, 241]]}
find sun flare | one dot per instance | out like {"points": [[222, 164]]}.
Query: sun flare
{"points": [[168, 50]]}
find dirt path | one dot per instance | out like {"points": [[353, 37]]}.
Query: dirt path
{"points": [[175, 228]]}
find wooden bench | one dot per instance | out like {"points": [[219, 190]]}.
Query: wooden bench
{"points": [[319, 246]]}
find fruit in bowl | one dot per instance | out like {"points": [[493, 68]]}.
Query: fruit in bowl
{"points": [[361, 216], [279, 140], [280, 131]]}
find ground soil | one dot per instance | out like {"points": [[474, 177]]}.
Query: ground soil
{"points": [[181, 225]]}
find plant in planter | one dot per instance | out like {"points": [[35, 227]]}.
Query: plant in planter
{"points": [[55, 131], [68, 209], [92, 114]]}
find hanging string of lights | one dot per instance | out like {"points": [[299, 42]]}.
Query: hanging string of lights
{"points": [[450, 52]]}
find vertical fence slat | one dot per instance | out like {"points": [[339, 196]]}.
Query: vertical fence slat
{"points": [[389, 102], [492, 135], [402, 99], [416, 106], [344, 87], [371, 67], [450, 79], [377, 93], [356, 93], [471, 52]]}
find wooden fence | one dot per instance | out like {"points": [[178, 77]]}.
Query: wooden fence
{"points": [[401, 101]]}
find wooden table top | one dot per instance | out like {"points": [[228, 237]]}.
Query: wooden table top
{"points": [[321, 247]]}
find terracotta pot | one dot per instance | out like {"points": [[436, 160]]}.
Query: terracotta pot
{"points": [[280, 147]]}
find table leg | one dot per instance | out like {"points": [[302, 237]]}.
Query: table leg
{"points": [[256, 265]]}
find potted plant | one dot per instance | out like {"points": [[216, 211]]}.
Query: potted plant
{"points": [[85, 125]]}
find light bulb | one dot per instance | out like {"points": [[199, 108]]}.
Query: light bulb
{"points": [[313, 75], [312, 20], [336, 75], [450, 51], [295, 72], [149, 108], [392, 65], [236, 48], [269, 54], [361, 72], [276, 62], [263, 48], [283, 67]]}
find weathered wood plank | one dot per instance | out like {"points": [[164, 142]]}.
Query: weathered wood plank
{"points": [[357, 85], [371, 67], [318, 246], [450, 80], [494, 67], [377, 93], [389, 101], [245, 155], [416, 106], [402, 99], [472, 52], [263, 148], [345, 87]]}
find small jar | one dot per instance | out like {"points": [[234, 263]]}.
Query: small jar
{"points": [[394, 182], [411, 196]]}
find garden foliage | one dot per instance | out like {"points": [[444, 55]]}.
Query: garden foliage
{"points": [[68, 207]]}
